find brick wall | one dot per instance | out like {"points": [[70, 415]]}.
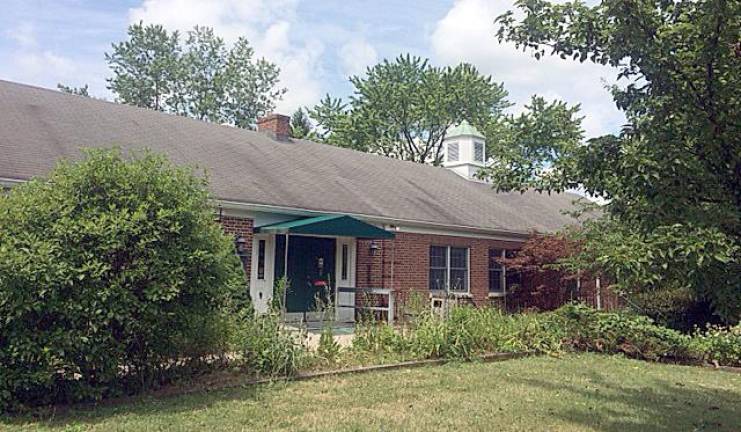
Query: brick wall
{"points": [[240, 226], [403, 264], [407, 257]]}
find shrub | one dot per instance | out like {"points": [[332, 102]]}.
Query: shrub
{"points": [[112, 271], [634, 335], [269, 348], [718, 345], [467, 332], [677, 308]]}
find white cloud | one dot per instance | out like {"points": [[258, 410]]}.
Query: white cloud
{"points": [[29, 63], [467, 34], [38, 63], [356, 55], [267, 24]]}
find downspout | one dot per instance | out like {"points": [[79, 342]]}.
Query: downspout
{"points": [[392, 294]]}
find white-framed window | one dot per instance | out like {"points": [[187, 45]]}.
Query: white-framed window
{"points": [[261, 260], [453, 152], [449, 269], [501, 280], [478, 151], [344, 263]]}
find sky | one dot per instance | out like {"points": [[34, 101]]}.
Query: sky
{"points": [[318, 44]]}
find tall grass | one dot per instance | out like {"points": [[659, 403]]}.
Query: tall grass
{"points": [[465, 333]]}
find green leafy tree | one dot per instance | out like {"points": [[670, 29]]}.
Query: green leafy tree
{"points": [[673, 176], [200, 78], [403, 108], [301, 125], [532, 144], [80, 91], [145, 67], [112, 272]]}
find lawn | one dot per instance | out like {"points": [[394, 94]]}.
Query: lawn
{"points": [[574, 393]]}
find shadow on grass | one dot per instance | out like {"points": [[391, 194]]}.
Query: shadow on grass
{"points": [[69, 417], [606, 398], [655, 405]]}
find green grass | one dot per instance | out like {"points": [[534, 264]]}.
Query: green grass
{"points": [[574, 393]]}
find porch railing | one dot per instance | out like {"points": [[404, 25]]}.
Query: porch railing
{"points": [[388, 293]]}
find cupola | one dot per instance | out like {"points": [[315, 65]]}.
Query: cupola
{"points": [[464, 150]]}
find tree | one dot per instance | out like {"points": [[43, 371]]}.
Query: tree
{"points": [[199, 78], [673, 175], [112, 272], [301, 125], [403, 108], [537, 262], [80, 91], [532, 144], [145, 67]]}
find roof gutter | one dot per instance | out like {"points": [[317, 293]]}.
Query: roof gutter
{"points": [[236, 205], [10, 182]]}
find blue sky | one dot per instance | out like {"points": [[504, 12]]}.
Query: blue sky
{"points": [[316, 43]]}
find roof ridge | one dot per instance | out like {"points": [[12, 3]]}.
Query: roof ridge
{"points": [[222, 127]]}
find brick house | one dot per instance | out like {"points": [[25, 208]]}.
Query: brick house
{"points": [[329, 219]]}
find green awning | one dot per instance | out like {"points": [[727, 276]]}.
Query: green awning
{"points": [[337, 225]]}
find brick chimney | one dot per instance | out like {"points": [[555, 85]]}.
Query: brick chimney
{"points": [[277, 126]]}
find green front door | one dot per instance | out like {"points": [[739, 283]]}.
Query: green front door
{"points": [[311, 266]]}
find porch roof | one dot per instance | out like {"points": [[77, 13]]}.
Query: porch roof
{"points": [[332, 225]]}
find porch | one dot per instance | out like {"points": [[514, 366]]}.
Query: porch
{"points": [[317, 259]]}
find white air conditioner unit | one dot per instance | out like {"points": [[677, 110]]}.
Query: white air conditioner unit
{"points": [[441, 305]]}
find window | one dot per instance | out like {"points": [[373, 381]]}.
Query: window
{"points": [[452, 152], [438, 267], [496, 272], [459, 269], [502, 280], [343, 272], [478, 151], [261, 260], [448, 268]]}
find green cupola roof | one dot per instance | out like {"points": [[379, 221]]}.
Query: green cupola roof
{"points": [[464, 128]]}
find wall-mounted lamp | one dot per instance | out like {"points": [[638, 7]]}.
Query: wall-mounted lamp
{"points": [[373, 247], [240, 246], [219, 215]]}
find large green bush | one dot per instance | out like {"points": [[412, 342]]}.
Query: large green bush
{"points": [[112, 272], [618, 332]]}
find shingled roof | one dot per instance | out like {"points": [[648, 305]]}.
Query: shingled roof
{"points": [[40, 126]]}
